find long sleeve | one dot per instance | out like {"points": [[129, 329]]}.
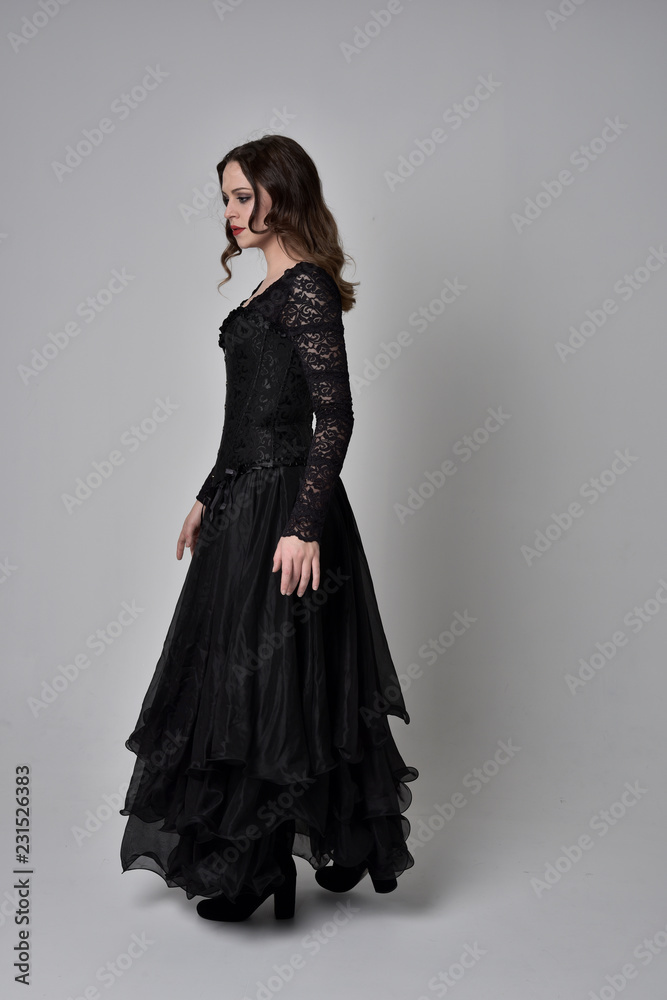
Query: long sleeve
{"points": [[205, 492], [312, 318]]}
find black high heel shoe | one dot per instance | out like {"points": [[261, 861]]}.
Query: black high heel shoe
{"points": [[245, 904], [282, 889], [337, 878]]}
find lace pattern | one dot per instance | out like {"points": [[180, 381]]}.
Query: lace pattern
{"points": [[286, 360], [312, 318]]}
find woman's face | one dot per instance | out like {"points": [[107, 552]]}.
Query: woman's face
{"points": [[239, 200]]}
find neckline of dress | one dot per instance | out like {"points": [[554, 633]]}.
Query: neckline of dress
{"points": [[253, 297]]}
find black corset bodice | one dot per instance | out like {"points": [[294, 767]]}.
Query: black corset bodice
{"points": [[285, 361], [268, 416]]}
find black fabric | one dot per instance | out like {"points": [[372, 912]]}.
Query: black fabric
{"points": [[267, 714], [286, 361]]}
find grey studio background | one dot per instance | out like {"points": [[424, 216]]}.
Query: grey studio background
{"points": [[497, 173]]}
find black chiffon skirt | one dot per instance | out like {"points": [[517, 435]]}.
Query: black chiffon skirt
{"points": [[268, 712]]}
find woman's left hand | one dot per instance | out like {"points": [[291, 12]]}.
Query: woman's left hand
{"points": [[298, 559]]}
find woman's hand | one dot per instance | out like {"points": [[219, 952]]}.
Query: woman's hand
{"points": [[190, 531], [297, 558]]}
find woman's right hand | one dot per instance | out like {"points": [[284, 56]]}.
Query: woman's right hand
{"points": [[190, 530]]}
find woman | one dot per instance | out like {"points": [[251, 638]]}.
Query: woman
{"points": [[264, 730]]}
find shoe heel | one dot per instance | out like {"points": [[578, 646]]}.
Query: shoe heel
{"points": [[384, 884], [285, 895]]}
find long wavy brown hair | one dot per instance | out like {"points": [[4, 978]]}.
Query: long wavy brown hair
{"points": [[298, 216]]}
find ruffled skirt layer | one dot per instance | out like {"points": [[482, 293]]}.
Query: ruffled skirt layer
{"points": [[268, 711]]}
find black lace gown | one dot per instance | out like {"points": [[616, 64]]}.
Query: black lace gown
{"points": [[269, 711]]}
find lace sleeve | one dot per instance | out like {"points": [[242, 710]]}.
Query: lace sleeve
{"points": [[208, 489], [312, 318]]}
